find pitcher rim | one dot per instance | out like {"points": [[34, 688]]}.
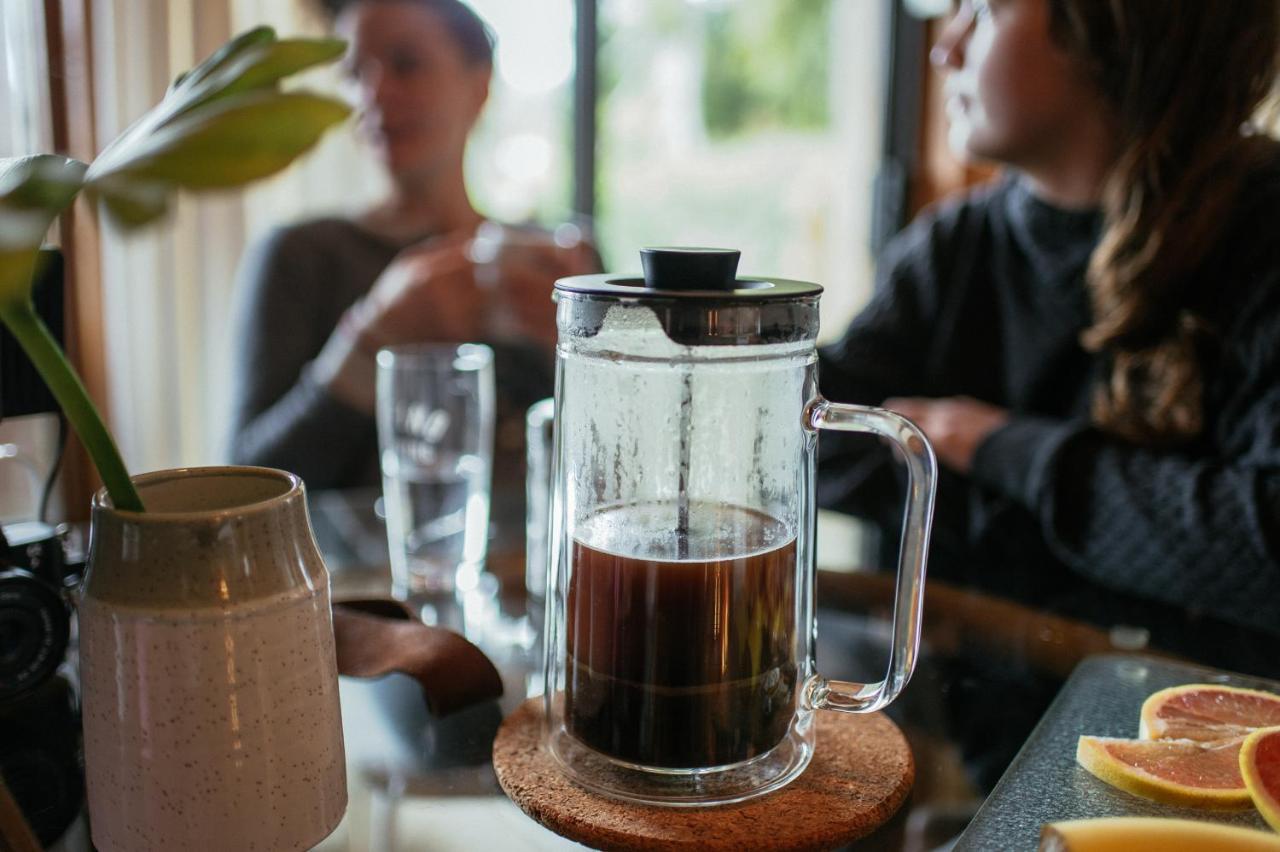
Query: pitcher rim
{"points": [[102, 500]]}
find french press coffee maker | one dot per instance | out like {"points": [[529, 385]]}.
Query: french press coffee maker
{"points": [[679, 666]]}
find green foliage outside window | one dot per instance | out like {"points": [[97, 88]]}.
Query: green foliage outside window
{"points": [[766, 67]]}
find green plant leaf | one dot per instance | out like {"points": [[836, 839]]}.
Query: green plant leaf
{"points": [[222, 124], [224, 54], [256, 67], [265, 64], [230, 142], [33, 191], [131, 203], [35, 339], [179, 97], [17, 267]]}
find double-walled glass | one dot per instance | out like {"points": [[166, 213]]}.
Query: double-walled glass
{"points": [[680, 616]]}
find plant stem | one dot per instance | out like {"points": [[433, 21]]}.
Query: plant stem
{"points": [[34, 337]]}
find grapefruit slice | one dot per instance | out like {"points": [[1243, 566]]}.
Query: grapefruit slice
{"points": [[1152, 834], [1260, 768], [1207, 712], [1176, 772]]}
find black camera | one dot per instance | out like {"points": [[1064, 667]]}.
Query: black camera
{"points": [[41, 759], [35, 623]]}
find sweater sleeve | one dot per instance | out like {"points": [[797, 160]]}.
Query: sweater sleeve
{"points": [[1196, 531], [281, 416], [895, 347], [882, 353]]}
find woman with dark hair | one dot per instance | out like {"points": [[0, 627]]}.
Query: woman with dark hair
{"points": [[1092, 343], [318, 299]]}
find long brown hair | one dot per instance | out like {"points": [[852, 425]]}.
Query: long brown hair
{"points": [[1183, 79]]}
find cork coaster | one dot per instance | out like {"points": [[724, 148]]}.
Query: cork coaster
{"points": [[861, 772]]}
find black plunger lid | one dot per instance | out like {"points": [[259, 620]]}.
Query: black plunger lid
{"points": [[690, 268], [699, 299], [704, 274]]}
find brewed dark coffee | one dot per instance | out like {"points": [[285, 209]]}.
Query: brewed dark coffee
{"points": [[681, 648]]}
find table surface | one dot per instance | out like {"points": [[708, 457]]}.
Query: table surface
{"points": [[423, 783]]}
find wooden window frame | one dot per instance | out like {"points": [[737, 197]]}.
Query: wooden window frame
{"points": [[69, 46]]}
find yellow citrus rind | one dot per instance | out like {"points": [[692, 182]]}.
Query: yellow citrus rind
{"points": [[1093, 755], [1153, 834], [1264, 800], [1152, 727]]}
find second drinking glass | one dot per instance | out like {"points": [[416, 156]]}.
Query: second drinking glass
{"points": [[435, 435]]}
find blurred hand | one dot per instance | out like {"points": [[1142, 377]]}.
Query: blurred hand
{"points": [[955, 425], [428, 293], [519, 281]]}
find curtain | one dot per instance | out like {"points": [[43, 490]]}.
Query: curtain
{"points": [[27, 444]]}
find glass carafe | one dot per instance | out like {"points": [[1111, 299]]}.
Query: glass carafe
{"points": [[680, 596]]}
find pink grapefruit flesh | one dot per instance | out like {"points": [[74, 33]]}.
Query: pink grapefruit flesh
{"points": [[1207, 712], [1260, 768], [1177, 772]]}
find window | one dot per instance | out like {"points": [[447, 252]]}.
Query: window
{"points": [[520, 161], [750, 125], [753, 124]]}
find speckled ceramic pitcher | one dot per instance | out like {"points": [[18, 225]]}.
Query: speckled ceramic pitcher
{"points": [[210, 683]]}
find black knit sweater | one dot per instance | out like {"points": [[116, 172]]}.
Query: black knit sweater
{"points": [[984, 296]]}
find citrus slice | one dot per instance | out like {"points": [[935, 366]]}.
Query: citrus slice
{"points": [[1206, 712], [1152, 834], [1177, 772], [1260, 767]]}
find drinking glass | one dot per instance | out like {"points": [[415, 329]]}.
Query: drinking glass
{"points": [[497, 249], [435, 413], [539, 430]]}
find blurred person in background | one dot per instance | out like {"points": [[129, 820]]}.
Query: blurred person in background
{"points": [[1092, 341], [317, 300]]}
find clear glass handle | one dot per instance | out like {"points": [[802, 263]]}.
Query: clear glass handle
{"points": [[908, 606]]}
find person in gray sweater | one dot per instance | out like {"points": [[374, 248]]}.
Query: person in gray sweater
{"points": [[318, 299]]}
